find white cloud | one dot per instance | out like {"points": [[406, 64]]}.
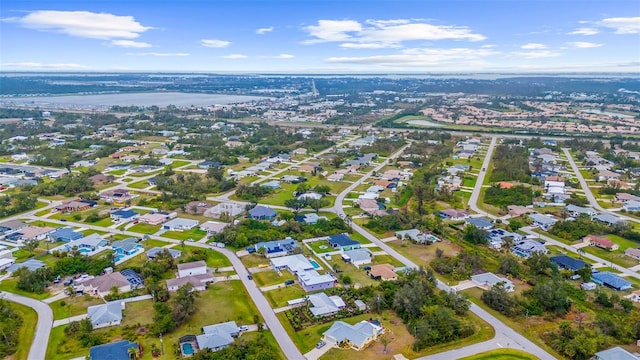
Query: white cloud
{"points": [[585, 31], [534, 54], [377, 34], [622, 25], [235, 56], [82, 24], [583, 45], [214, 43], [159, 54], [421, 57], [284, 56], [262, 31], [37, 65], [130, 44], [533, 46], [332, 30]]}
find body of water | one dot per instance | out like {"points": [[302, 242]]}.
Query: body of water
{"points": [[105, 101], [423, 123]]}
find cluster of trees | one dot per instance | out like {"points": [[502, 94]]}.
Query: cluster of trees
{"points": [[511, 163], [383, 147], [248, 232], [9, 329], [33, 281], [174, 311], [516, 195], [180, 188], [578, 228], [16, 203], [83, 331], [251, 193], [72, 184], [458, 267]]}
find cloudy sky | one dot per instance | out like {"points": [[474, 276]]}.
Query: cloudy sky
{"points": [[330, 36]]}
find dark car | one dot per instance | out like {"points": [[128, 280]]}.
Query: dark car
{"points": [[249, 277], [289, 282], [68, 282]]}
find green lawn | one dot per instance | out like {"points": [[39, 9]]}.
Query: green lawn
{"points": [[194, 234], [151, 243], [385, 259], [72, 306], [142, 184], [214, 260], [254, 260], [106, 222], [270, 277], [27, 330], [9, 285], [279, 297], [178, 163], [321, 246], [143, 228], [501, 354], [138, 312], [117, 172], [93, 231], [43, 212], [43, 223]]}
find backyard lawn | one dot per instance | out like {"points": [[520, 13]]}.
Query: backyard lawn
{"points": [[144, 228], [138, 312], [321, 246], [194, 234], [270, 277]]}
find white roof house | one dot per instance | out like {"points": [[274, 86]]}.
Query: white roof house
{"points": [[358, 336], [104, 315], [217, 337], [489, 280], [311, 280], [180, 224], [324, 305], [192, 268], [294, 263], [357, 257]]}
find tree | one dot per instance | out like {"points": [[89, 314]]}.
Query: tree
{"points": [[475, 235], [499, 299], [509, 265], [183, 304], [9, 329], [30, 245], [295, 205], [538, 264], [384, 340]]}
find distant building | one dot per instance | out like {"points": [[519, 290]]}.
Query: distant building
{"points": [[343, 242], [357, 336], [261, 212], [526, 248], [489, 280], [113, 351]]}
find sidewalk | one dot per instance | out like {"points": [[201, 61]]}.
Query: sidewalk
{"points": [[68, 320]]}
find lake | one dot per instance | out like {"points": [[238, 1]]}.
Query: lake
{"points": [[423, 123], [105, 101]]}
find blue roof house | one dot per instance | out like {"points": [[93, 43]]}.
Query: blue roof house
{"points": [[480, 223], [278, 247], [65, 234], [262, 213], [113, 351], [126, 247], [343, 242], [567, 262], [610, 280], [124, 215]]}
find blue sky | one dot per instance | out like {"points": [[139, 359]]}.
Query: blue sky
{"points": [[330, 36]]}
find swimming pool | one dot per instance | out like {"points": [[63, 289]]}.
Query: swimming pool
{"points": [[84, 251], [118, 258], [314, 264], [187, 349]]}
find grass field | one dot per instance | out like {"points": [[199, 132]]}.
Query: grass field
{"points": [[73, 306], [502, 354], [214, 260], [145, 228], [194, 234], [142, 184], [279, 297], [270, 277], [27, 330], [9, 285], [138, 312]]}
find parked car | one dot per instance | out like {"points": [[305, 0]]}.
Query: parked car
{"points": [[68, 282], [249, 277], [289, 282], [367, 268], [320, 344], [243, 328]]}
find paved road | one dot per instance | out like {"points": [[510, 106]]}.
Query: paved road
{"points": [[503, 332], [43, 329], [477, 189]]}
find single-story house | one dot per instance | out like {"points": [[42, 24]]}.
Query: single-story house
{"points": [[567, 262], [273, 184], [124, 215], [576, 211], [544, 222], [357, 257], [277, 248], [631, 205], [489, 280], [384, 272], [616, 353], [294, 263], [102, 285], [357, 336], [219, 336], [12, 225], [608, 219], [610, 280], [480, 223], [126, 247], [311, 280], [518, 210], [88, 245], [151, 253], [207, 164], [71, 206], [180, 224], [153, 218], [343, 242], [229, 208], [309, 218], [601, 242], [310, 196], [213, 227], [103, 315], [633, 252], [588, 286], [453, 214], [262, 212], [113, 351], [65, 234], [416, 236], [198, 282], [324, 305], [335, 177], [192, 268], [35, 232], [31, 264], [526, 248]]}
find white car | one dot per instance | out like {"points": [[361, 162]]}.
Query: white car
{"points": [[243, 328]]}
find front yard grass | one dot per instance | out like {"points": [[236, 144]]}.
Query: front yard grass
{"points": [[72, 306], [138, 312], [270, 277], [194, 234], [279, 297], [144, 228], [254, 260]]}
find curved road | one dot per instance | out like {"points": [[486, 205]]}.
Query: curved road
{"points": [[505, 336], [43, 329]]}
